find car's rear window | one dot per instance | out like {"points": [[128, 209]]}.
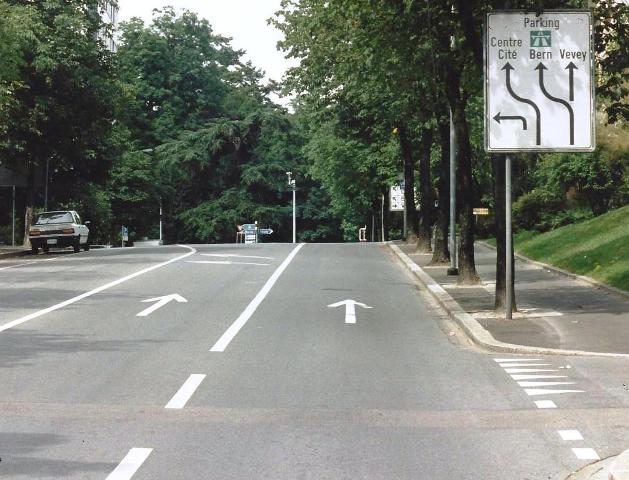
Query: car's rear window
{"points": [[58, 217]]}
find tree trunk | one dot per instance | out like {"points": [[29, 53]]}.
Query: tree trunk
{"points": [[409, 185], [426, 194], [498, 167], [441, 254]]}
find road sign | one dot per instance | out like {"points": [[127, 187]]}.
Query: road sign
{"points": [[396, 196], [539, 89], [266, 231], [481, 211]]}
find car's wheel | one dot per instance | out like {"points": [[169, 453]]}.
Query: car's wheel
{"points": [[34, 249], [76, 245]]}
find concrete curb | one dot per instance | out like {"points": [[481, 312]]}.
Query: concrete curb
{"points": [[619, 469], [14, 254], [584, 278], [474, 330]]}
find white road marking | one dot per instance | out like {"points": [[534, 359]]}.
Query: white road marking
{"points": [[436, 288], [508, 365], [102, 288], [545, 404], [130, 464], [501, 360], [537, 313], [350, 309], [228, 255], [533, 377], [15, 266], [570, 435], [226, 262], [528, 370], [186, 391], [544, 391], [240, 322], [585, 453], [160, 302], [544, 384]]}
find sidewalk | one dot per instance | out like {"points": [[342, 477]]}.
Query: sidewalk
{"points": [[554, 311]]}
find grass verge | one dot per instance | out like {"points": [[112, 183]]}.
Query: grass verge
{"points": [[598, 248]]}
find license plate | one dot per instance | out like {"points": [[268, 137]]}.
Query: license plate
{"points": [[51, 241]]}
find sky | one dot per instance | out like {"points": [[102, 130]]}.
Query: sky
{"points": [[242, 20]]}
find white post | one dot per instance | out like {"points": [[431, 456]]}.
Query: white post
{"points": [[382, 218], [453, 253], [508, 242]]}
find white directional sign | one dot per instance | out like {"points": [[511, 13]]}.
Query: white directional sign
{"points": [[538, 82]]}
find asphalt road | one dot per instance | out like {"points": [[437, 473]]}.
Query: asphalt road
{"points": [[254, 376]]}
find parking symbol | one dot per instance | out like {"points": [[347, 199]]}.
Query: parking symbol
{"points": [[540, 38]]}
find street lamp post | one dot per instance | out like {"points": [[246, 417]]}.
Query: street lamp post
{"points": [[292, 185]]}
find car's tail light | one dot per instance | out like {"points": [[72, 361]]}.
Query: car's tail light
{"points": [[33, 232], [67, 230]]}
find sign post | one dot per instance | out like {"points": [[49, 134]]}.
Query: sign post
{"points": [[539, 92]]}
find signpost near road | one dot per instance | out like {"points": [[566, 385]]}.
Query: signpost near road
{"points": [[539, 91]]}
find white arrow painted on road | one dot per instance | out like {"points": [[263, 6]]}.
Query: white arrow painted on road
{"points": [[161, 301], [350, 310]]}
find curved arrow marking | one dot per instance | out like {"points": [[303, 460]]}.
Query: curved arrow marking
{"points": [[538, 127], [350, 310], [541, 67]]}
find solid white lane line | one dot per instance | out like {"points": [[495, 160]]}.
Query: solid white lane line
{"points": [[130, 464], [585, 453], [102, 288], [528, 370], [500, 360], [234, 255], [570, 435], [518, 365], [544, 384], [240, 322], [544, 391], [186, 391], [545, 404], [533, 377], [225, 262]]}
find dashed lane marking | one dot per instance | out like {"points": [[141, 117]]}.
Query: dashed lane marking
{"points": [[529, 370], [519, 365], [570, 435], [186, 391], [585, 453], [545, 404], [544, 391], [130, 464], [534, 377], [544, 384], [501, 360]]}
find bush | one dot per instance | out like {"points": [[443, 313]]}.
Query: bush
{"points": [[531, 208]]}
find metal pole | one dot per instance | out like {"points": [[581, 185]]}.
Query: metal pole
{"points": [[13, 218], [373, 227], [294, 213], [46, 187], [453, 270], [508, 243], [161, 241], [382, 218]]}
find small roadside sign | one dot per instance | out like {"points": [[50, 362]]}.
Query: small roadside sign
{"points": [[266, 231], [481, 211], [539, 89], [396, 199]]}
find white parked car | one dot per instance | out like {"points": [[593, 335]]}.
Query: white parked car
{"points": [[59, 230]]}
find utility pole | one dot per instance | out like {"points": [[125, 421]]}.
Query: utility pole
{"points": [[293, 186], [382, 218], [161, 240], [508, 241], [13, 217], [453, 270], [46, 186]]}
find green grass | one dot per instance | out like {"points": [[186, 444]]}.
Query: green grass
{"points": [[598, 248]]}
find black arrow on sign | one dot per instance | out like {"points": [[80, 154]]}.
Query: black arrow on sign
{"points": [[499, 117], [538, 127], [541, 67], [571, 68]]}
